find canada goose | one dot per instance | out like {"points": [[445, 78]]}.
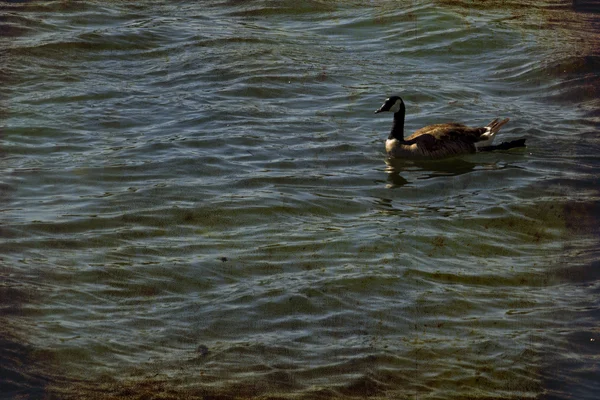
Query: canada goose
{"points": [[439, 140]]}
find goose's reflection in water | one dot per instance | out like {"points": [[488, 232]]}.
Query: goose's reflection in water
{"points": [[429, 169]]}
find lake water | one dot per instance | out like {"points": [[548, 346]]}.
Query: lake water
{"points": [[195, 201]]}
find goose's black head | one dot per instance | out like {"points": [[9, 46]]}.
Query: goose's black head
{"points": [[392, 104]]}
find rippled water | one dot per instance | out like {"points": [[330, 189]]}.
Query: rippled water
{"points": [[195, 201]]}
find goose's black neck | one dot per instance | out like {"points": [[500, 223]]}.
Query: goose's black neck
{"points": [[398, 124]]}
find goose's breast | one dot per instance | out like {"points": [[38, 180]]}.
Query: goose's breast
{"points": [[390, 145]]}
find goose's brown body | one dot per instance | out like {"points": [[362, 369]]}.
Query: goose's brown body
{"points": [[435, 141], [440, 140]]}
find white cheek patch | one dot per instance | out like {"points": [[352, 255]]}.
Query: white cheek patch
{"points": [[396, 107]]}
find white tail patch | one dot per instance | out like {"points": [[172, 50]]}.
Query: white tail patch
{"points": [[488, 138], [491, 130]]}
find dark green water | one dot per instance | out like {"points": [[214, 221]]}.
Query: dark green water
{"points": [[195, 201]]}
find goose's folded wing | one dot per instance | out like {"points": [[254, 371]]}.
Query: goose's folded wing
{"points": [[450, 133]]}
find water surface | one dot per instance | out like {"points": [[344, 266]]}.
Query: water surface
{"points": [[195, 201]]}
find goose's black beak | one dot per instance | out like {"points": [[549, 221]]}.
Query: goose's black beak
{"points": [[378, 111]]}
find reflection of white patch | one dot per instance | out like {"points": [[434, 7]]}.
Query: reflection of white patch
{"points": [[396, 107], [390, 144]]}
